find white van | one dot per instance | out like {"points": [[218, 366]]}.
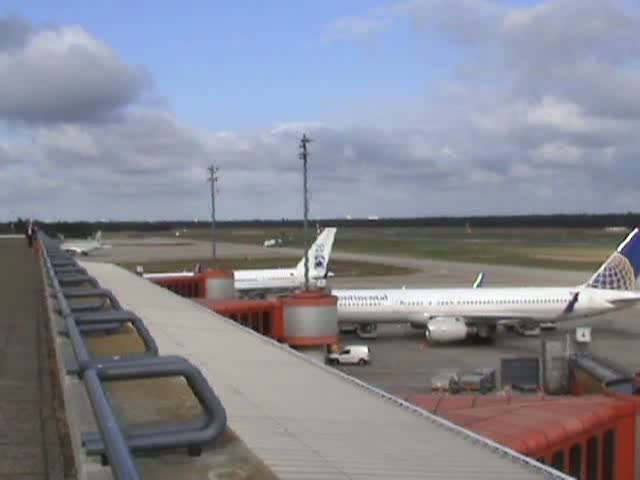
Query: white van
{"points": [[351, 354]]}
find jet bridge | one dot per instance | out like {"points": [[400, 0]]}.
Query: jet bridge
{"points": [[301, 320]]}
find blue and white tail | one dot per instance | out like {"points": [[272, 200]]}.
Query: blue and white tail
{"points": [[622, 268], [319, 254]]}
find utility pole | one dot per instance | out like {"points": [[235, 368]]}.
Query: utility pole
{"points": [[304, 154], [213, 179]]}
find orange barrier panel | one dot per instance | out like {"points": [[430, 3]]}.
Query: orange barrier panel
{"points": [[263, 316], [591, 437], [266, 316], [189, 287]]}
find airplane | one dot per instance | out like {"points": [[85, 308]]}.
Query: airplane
{"points": [[83, 247], [370, 330], [454, 314], [257, 283]]}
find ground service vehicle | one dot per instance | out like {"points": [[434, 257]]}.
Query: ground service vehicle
{"points": [[350, 354]]}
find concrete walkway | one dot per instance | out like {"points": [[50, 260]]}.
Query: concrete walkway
{"points": [[30, 441]]}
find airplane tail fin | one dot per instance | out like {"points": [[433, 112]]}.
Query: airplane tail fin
{"points": [[479, 280], [622, 268], [319, 254], [99, 236]]}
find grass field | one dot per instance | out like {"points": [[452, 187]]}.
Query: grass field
{"points": [[574, 249], [343, 268]]}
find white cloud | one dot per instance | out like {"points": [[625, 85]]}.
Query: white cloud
{"points": [[377, 19], [554, 130], [517, 20], [61, 74], [70, 139], [558, 153], [559, 115]]}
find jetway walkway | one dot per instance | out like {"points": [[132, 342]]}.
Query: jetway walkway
{"points": [[306, 420]]}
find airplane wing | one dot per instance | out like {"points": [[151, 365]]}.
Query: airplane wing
{"points": [[488, 318], [498, 318]]}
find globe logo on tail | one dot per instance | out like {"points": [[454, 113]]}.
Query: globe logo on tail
{"points": [[319, 260], [616, 274]]}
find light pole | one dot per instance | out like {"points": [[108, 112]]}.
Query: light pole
{"points": [[304, 154], [213, 178]]}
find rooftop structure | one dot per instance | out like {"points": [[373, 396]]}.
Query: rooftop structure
{"points": [[303, 419]]}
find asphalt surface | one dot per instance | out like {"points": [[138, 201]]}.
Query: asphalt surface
{"points": [[152, 249], [31, 440], [402, 361], [429, 272]]}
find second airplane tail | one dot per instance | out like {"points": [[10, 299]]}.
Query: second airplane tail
{"points": [[622, 268], [319, 254]]}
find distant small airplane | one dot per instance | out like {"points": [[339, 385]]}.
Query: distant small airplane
{"points": [[272, 242], [83, 247]]}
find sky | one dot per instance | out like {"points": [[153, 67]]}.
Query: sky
{"points": [[416, 107]]}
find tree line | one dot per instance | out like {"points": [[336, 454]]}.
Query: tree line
{"points": [[87, 228]]}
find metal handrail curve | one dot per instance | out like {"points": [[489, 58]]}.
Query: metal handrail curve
{"points": [[111, 440], [116, 448]]}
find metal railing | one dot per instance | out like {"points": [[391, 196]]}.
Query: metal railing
{"points": [[106, 315], [610, 375]]}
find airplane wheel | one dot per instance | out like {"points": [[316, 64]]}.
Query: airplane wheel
{"points": [[362, 361]]}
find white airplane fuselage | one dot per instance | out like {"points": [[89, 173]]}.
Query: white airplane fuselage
{"points": [[261, 282], [531, 303], [271, 279], [83, 247]]}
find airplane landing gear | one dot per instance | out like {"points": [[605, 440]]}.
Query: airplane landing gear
{"points": [[486, 334], [367, 330]]}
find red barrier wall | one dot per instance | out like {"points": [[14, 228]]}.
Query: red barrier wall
{"points": [[592, 437]]}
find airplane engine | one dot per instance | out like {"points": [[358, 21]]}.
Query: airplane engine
{"points": [[447, 329]]}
